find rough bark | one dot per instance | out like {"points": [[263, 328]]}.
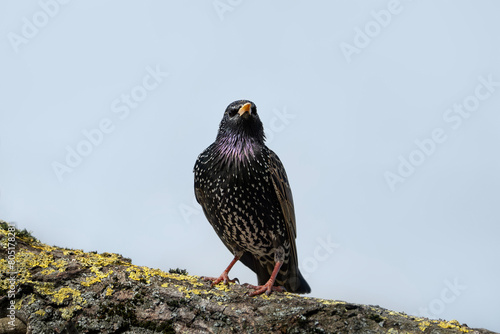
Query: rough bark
{"points": [[58, 290]]}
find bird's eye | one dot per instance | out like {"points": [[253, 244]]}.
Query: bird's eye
{"points": [[233, 112]]}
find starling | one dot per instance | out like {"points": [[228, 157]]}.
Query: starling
{"points": [[244, 192]]}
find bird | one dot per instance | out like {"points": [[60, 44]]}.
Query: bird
{"points": [[245, 195]]}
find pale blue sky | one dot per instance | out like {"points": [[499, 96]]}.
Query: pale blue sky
{"points": [[384, 113]]}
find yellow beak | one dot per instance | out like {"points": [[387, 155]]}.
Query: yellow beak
{"points": [[247, 107]]}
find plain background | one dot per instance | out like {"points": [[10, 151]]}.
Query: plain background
{"points": [[339, 121]]}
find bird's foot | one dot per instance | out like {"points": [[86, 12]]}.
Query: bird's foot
{"points": [[268, 288], [222, 278]]}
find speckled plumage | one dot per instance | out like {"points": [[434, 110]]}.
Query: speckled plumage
{"points": [[244, 192]]}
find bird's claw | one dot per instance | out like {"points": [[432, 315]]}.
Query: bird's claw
{"points": [[260, 289], [222, 278]]}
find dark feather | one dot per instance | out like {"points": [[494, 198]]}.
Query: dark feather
{"points": [[243, 189], [279, 178]]}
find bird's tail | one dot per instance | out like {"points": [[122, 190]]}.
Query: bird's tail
{"points": [[296, 283], [289, 277]]}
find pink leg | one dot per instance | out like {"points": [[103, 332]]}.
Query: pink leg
{"points": [[269, 286], [223, 277]]}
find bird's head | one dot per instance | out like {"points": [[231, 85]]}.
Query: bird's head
{"points": [[241, 123]]}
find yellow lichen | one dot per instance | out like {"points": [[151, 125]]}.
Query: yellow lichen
{"points": [[194, 280], [422, 325], [109, 291], [196, 291], [40, 312], [60, 264], [223, 287], [453, 324], [330, 302], [99, 275], [30, 299], [264, 296], [187, 291], [47, 271], [398, 314], [23, 261], [184, 290], [138, 274], [43, 257], [19, 303], [67, 312], [58, 296]]}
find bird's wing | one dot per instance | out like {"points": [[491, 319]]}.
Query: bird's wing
{"points": [[247, 258], [284, 194]]}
